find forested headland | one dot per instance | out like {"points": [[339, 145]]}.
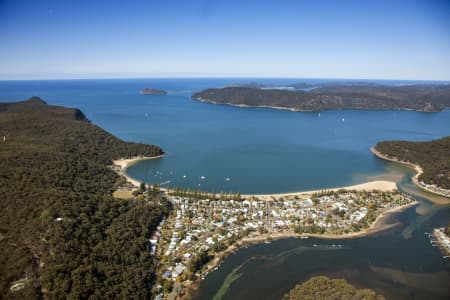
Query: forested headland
{"points": [[433, 157], [425, 97], [62, 234]]}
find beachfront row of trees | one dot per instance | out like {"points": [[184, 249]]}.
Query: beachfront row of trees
{"points": [[198, 194]]}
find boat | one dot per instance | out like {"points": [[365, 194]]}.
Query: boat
{"points": [[202, 177], [227, 179]]}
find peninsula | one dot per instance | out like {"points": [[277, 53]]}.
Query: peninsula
{"points": [[203, 228], [431, 160], [300, 97], [150, 91]]}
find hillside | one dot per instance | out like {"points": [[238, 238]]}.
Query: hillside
{"points": [[433, 157], [62, 234], [428, 98]]}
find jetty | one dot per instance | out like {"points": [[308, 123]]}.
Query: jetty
{"points": [[441, 240]]}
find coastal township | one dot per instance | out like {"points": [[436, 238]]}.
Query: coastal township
{"points": [[204, 227]]}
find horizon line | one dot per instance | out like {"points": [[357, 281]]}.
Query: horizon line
{"points": [[222, 77]]}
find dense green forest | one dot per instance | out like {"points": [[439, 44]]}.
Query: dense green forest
{"points": [[335, 96], [433, 157], [62, 234], [324, 288]]}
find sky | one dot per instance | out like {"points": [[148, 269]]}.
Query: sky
{"points": [[395, 39]]}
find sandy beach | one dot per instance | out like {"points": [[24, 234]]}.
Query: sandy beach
{"points": [[379, 185], [124, 163], [377, 226]]}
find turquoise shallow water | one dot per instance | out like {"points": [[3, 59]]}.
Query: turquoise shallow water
{"points": [[266, 151]]}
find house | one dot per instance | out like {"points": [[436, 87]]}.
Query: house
{"points": [[179, 269]]}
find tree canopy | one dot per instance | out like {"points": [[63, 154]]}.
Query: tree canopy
{"points": [[324, 288], [433, 157], [61, 231]]}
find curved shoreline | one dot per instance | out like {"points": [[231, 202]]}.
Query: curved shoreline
{"points": [[376, 226], [292, 109], [253, 106], [417, 168], [379, 185], [125, 163]]}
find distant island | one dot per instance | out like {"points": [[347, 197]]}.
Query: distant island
{"points": [[149, 91], [63, 234], [430, 159], [324, 288], [306, 97]]}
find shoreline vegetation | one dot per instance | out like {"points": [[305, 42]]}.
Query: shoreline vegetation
{"points": [[322, 287], [185, 288], [419, 171], [377, 185]]}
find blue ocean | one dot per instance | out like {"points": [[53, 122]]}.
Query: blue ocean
{"points": [[246, 150], [253, 150]]}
